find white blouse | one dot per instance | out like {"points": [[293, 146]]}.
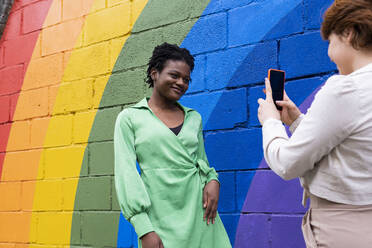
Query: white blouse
{"points": [[331, 146]]}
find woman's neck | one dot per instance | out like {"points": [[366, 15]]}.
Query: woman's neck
{"points": [[158, 102], [361, 59]]}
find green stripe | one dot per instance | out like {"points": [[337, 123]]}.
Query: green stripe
{"points": [[160, 21]]}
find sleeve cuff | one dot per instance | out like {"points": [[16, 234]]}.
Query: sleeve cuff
{"points": [[212, 175], [141, 224], [295, 124], [271, 129]]}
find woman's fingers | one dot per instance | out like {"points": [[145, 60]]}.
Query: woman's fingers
{"points": [[287, 104], [285, 96], [211, 195], [268, 90], [205, 198], [214, 214], [208, 211], [213, 211], [206, 205], [267, 86], [284, 103]]}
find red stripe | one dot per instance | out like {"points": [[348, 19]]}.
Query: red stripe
{"points": [[16, 48]]}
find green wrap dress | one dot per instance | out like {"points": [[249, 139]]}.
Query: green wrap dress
{"points": [[167, 196]]}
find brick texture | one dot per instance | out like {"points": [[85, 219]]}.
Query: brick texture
{"points": [[34, 15], [67, 69]]}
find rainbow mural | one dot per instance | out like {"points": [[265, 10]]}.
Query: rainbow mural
{"points": [[68, 67]]}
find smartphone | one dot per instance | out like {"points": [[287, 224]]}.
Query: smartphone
{"points": [[277, 78]]}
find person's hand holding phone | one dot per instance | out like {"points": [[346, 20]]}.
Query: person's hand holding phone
{"points": [[267, 108], [289, 112]]}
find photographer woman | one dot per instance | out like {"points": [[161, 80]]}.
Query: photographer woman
{"points": [[331, 146]]}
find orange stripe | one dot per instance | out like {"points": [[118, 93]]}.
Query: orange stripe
{"points": [[42, 79], [19, 49]]}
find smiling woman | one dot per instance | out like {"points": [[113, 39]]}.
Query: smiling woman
{"points": [[174, 200]]}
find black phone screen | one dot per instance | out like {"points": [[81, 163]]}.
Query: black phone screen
{"points": [[277, 85]]}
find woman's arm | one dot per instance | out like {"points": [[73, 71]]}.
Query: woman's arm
{"points": [[132, 195], [328, 122], [296, 123], [211, 190], [212, 174]]}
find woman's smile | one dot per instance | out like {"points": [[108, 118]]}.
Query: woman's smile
{"points": [[178, 90]]}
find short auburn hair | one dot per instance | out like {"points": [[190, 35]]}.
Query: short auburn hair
{"points": [[350, 15]]}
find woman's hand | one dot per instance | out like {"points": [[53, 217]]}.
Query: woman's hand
{"points": [[267, 108], [211, 195], [290, 112], [151, 240]]}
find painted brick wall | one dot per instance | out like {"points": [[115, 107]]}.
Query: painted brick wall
{"points": [[68, 67], [5, 7]]}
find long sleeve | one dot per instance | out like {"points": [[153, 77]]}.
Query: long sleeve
{"points": [[132, 195], [328, 122], [293, 127], [212, 174]]}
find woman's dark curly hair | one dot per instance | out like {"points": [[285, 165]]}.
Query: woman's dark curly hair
{"points": [[165, 52]]}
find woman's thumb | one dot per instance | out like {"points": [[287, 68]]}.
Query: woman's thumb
{"points": [[205, 198], [283, 103]]}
